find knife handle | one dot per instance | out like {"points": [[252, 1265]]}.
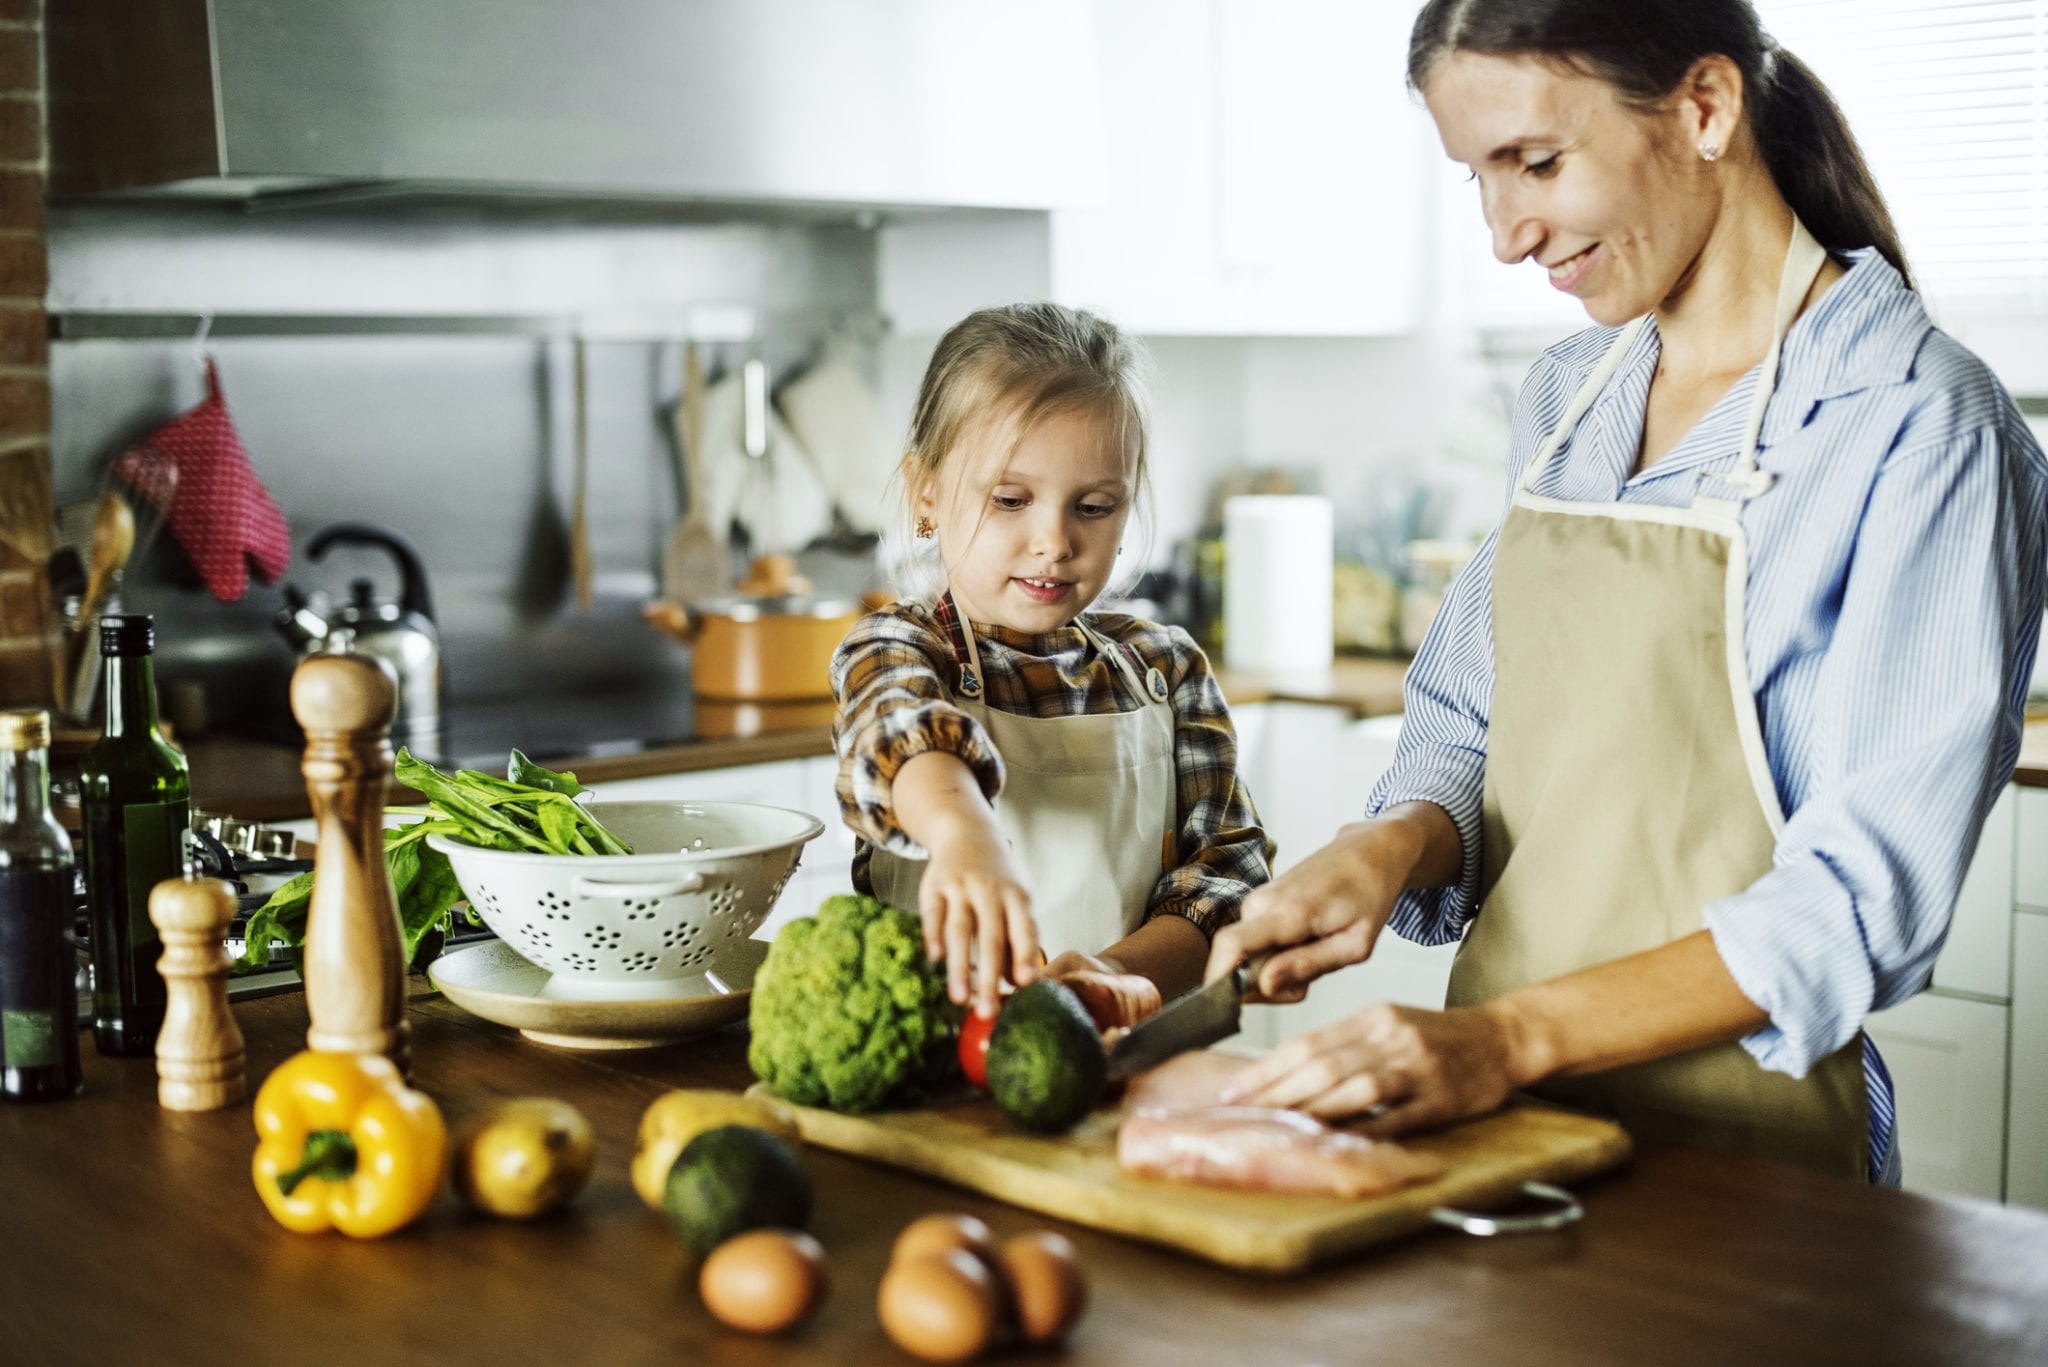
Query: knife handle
{"points": [[1246, 974]]}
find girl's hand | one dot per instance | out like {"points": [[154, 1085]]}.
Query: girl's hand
{"points": [[1405, 1068], [976, 911], [1322, 914], [1116, 999]]}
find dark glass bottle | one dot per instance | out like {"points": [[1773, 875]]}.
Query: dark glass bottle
{"points": [[136, 797], [38, 991]]}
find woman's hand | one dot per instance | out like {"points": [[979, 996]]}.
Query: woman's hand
{"points": [[1407, 1069], [1116, 999], [976, 911], [1330, 907]]}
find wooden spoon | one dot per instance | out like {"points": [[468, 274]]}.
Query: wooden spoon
{"points": [[113, 539], [694, 565]]}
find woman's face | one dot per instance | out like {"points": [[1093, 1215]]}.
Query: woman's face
{"points": [[1606, 197], [1029, 541]]}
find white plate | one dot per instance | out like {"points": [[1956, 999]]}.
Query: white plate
{"points": [[492, 981]]}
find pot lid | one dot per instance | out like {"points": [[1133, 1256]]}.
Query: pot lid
{"points": [[741, 607]]}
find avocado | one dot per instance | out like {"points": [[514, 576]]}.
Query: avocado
{"points": [[1046, 1062], [732, 1179]]}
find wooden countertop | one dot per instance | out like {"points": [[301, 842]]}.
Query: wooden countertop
{"points": [[260, 782], [132, 1234]]}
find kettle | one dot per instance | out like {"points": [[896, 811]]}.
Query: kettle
{"points": [[399, 632]]}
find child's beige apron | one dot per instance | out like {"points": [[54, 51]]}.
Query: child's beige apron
{"points": [[1088, 803], [1626, 782]]}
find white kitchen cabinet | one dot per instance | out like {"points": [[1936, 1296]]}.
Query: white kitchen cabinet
{"points": [[2030, 848], [1978, 955], [1947, 1058], [1266, 172], [2026, 1145]]}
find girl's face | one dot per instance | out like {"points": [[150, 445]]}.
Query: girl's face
{"points": [[1608, 198], [1029, 543]]}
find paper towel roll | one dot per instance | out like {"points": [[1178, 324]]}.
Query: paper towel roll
{"points": [[1276, 582]]}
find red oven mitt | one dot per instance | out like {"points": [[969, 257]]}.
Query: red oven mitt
{"points": [[218, 509]]}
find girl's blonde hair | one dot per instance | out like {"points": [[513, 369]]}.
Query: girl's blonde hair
{"points": [[1024, 362]]}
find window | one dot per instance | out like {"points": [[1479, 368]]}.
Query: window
{"points": [[1949, 99]]}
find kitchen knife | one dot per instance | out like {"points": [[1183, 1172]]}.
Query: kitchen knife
{"points": [[1189, 1021]]}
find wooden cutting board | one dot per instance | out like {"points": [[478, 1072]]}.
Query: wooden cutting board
{"points": [[969, 1143]]}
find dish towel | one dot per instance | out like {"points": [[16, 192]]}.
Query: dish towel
{"points": [[217, 507], [834, 414], [777, 498]]}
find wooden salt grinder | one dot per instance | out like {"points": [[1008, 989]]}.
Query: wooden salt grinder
{"points": [[354, 951], [199, 1048]]}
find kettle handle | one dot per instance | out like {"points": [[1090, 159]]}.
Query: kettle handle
{"points": [[412, 594]]}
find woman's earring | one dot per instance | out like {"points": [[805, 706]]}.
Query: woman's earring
{"points": [[1710, 151], [925, 527]]}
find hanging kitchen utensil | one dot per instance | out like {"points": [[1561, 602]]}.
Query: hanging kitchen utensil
{"points": [[579, 513], [695, 563], [833, 412], [771, 496], [113, 542]]}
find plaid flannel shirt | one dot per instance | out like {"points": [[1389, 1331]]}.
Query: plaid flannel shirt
{"points": [[893, 677]]}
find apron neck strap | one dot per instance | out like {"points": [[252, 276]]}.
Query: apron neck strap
{"points": [[1152, 684], [1804, 258]]}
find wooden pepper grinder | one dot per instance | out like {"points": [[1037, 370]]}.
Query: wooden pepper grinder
{"points": [[199, 1064], [354, 951]]}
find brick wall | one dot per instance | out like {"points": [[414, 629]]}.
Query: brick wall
{"points": [[28, 623]]}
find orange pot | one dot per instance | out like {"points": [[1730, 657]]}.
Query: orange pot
{"points": [[760, 647]]}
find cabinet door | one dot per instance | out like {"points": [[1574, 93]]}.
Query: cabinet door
{"points": [[779, 784], [2026, 1154], [1978, 955], [2030, 848], [1267, 174], [1947, 1061]]}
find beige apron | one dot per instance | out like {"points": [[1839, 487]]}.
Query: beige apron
{"points": [[1088, 804], [1626, 782]]}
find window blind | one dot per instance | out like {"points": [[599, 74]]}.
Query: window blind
{"points": [[1949, 99]]}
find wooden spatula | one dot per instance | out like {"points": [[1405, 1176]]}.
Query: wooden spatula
{"points": [[695, 564]]}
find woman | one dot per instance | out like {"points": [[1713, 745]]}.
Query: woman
{"points": [[1698, 749]]}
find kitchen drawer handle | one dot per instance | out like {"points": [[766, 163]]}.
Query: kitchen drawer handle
{"points": [[667, 887], [1568, 1212]]}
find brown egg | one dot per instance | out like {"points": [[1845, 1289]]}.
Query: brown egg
{"points": [[931, 1234], [1047, 1287], [941, 1307], [763, 1281]]}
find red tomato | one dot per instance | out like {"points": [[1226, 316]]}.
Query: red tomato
{"points": [[974, 1035]]}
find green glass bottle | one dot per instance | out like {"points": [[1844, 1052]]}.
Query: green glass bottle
{"points": [[136, 797], [38, 967]]}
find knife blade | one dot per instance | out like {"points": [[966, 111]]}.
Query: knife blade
{"points": [[1189, 1021]]}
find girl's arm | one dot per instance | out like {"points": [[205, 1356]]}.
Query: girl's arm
{"points": [[916, 776]]}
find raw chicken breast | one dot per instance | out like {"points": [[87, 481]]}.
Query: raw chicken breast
{"points": [[1259, 1148], [1192, 1079]]}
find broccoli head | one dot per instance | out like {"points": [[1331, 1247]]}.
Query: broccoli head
{"points": [[846, 1011]]}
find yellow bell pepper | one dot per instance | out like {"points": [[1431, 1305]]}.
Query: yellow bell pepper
{"points": [[346, 1145]]}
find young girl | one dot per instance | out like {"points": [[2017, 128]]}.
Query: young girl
{"points": [[1025, 774]]}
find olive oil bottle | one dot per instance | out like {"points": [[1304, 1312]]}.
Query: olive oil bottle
{"points": [[38, 992], [136, 797]]}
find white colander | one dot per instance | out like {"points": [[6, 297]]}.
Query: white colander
{"points": [[703, 877]]}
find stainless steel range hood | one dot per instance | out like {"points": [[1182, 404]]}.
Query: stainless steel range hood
{"points": [[842, 103]]}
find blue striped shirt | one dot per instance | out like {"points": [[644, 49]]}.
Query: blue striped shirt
{"points": [[1895, 594]]}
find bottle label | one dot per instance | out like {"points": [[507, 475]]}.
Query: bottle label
{"points": [[28, 1039], [155, 844]]}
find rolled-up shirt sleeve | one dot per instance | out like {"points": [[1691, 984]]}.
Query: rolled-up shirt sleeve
{"points": [[1221, 853], [1924, 680], [893, 704]]}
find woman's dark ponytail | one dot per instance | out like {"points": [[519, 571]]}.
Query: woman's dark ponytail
{"points": [[1644, 48], [1815, 159]]}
